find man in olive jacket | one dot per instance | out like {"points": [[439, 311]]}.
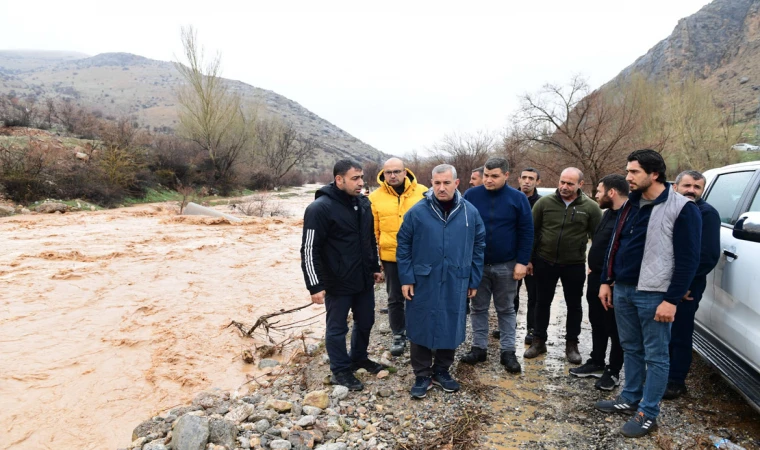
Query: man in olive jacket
{"points": [[562, 224], [398, 192]]}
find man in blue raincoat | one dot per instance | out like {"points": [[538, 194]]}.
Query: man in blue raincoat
{"points": [[440, 263]]}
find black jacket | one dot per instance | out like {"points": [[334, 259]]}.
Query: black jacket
{"points": [[338, 248], [601, 240], [533, 198]]}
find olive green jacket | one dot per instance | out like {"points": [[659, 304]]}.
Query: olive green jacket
{"points": [[561, 233]]}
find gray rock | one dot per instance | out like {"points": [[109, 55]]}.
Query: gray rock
{"points": [[262, 425], [252, 399], [306, 421], [222, 432], [280, 444], [244, 442], [151, 429], [325, 358], [312, 410], [266, 414], [296, 410], [384, 392], [210, 399], [190, 433], [182, 410], [240, 412], [51, 207], [743, 80], [339, 392], [264, 363], [155, 445], [336, 446], [311, 349], [429, 425], [6, 211]]}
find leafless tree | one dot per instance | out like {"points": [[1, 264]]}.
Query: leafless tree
{"points": [[464, 151], [279, 147]]}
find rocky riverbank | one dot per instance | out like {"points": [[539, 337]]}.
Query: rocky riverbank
{"points": [[294, 408]]}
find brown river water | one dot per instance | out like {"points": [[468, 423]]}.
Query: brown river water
{"points": [[109, 317]]}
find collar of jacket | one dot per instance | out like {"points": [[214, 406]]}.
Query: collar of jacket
{"points": [[635, 196], [332, 191], [409, 182], [576, 200], [435, 204]]}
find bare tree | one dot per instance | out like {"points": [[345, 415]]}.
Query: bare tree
{"points": [[464, 151], [210, 114], [279, 147], [579, 127]]}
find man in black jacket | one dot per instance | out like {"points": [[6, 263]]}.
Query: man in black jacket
{"points": [[611, 194], [340, 264]]}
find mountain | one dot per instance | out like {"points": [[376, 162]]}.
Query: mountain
{"points": [[123, 84], [719, 46]]}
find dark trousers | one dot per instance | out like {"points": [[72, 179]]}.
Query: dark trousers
{"points": [[681, 334], [530, 287], [396, 300], [603, 327], [423, 360], [337, 308], [573, 277]]}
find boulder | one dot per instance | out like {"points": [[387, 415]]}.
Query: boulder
{"points": [[190, 433], [6, 211], [51, 207], [222, 432], [210, 399], [151, 429]]}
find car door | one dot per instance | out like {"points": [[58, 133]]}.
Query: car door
{"points": [[727, 311]]}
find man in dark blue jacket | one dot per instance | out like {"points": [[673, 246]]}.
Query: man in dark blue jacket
{"points": [[340, 265], [691, 184], [509, 240], [655, 228]]}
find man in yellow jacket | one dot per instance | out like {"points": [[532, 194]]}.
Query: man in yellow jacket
{"points": [[397, 193]]}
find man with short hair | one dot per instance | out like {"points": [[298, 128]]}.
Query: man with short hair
{"points": [[509, 240], [440, 263], [611, 193], [340, 267], [476, 177], [691, 184], [655, 228], [530, 178], [398, 191], [563, 224]]}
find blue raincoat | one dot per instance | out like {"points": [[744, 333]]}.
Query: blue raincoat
{"points": [[442, 256]]}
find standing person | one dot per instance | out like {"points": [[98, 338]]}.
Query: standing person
{"points": [[509, 241], [530, 178], [476, 177], [340, 266], [440, 263], [563, 223], [691, 184], [397, 192], [655, 228], [611, 193]]}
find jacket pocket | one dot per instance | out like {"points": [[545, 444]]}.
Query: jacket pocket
{"points": [[422, 269]]}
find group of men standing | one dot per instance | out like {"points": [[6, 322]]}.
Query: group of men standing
{"points": [[436, 248]]}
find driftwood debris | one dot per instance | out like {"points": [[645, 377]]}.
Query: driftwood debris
{"points": [[264, 321]]}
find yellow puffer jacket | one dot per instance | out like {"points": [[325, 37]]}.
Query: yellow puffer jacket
{"points": [[389, 209]]}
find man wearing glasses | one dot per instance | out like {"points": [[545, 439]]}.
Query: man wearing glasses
{"points": [[398, 192]]}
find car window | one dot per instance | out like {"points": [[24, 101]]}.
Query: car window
{"points": [[755, 206], [726, 192]]}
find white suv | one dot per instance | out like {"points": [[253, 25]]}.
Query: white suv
{"points": [[727, 324]]}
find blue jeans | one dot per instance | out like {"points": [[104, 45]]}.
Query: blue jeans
{"points": [[681, 339], [645, 345], [498, 282]]}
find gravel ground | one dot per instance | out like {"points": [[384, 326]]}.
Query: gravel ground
{"points": [[544, 407]]}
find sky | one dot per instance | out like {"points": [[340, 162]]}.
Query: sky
{"points": [[399, 75]]}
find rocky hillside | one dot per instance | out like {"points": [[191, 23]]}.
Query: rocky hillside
{"points": [[719, 45], [119, 84]]}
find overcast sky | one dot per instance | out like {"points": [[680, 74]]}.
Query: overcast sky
{"points": [[397, 75]]}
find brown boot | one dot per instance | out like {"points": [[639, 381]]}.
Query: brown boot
{"points": [[571, 352], [536, 348]]}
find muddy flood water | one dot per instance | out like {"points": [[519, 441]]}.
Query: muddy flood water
{"points": [[108, 317]]}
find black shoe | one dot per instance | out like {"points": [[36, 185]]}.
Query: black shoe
{"points": [[383, 311], [639, 425], [509, 361], [529, 337], [618, 405], [421, 386], [496, 334], [475, 355], [608, 382], [368, 365], [674, 390], [399, 345], [444, 380], [590, 369], [537, 347], [348, 380]]}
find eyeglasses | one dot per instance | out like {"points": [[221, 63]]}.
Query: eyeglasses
{"points": [[392, 172]]}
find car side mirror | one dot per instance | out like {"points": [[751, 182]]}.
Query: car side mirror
{"points": [[747, 228]]}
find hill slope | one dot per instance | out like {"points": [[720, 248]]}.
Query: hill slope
{"points": [[720, 46], [123, 84]]}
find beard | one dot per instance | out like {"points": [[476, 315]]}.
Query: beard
{"points": [[605, 202]]}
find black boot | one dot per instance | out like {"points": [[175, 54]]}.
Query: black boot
{"points": [[475, 355]]}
